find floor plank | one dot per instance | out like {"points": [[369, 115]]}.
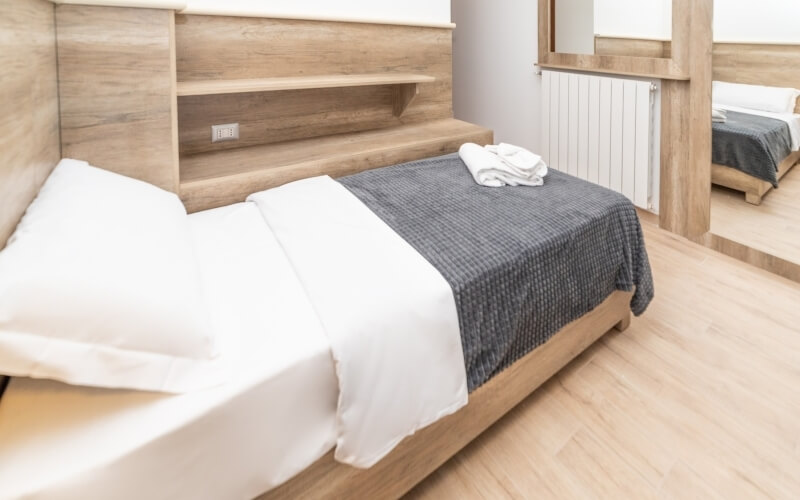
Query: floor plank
{"points": [[699, 398], [772, 227]]}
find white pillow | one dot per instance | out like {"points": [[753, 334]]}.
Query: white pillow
{"points": [[99, 286], [757, 97]]}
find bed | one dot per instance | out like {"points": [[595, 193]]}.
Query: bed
{"points": [[753, 150], [299, 278], [756, 133]]}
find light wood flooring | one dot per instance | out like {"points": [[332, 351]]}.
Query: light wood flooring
{"points": [[772, 227], [699, 398]]}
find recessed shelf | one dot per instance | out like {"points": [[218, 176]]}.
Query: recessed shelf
{"points": [[215, 87], [227, 176]]}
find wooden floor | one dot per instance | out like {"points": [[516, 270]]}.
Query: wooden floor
{"points": [[699, 398], [772, 227]]}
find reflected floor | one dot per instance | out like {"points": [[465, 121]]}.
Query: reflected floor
{"points": [[772, 227]]}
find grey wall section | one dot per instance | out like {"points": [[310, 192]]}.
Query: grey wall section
{"points": [[495, 47], [575, 26]]}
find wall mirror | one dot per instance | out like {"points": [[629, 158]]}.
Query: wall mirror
{"points": [[638, 28], [755, 194], [637, 37]]}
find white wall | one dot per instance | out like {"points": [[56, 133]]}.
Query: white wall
{"points": [[734, 20], [412, 11], [757, 21], [575, 26], [634, 18], [495, 83]]}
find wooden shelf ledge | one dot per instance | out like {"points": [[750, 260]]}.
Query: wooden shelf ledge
{"points": [[219, 178], [405, 85], [214, 87]]}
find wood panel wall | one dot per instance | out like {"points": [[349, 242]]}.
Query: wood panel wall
{"points": [[772, 64], [117, 82], [634, 47], [223, 48], [29, 102], [758, 64]]}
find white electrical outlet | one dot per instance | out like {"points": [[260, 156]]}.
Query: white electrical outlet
{"points": [[226, 132]]}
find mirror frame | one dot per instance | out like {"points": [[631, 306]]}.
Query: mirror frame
{"points": [[674, 68]]}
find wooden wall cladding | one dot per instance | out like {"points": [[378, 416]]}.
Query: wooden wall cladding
{"points": [[29, 103], [228, 48], [758, 64], [776, 65], [117, 83], [635, 47]]}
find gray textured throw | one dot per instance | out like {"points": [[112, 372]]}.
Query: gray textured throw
{"points": [[752, 144], [522, 262]]}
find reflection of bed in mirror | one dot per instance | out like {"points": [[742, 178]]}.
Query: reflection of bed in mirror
{"points": [[772, 65], [755, 130], [755, 149]]}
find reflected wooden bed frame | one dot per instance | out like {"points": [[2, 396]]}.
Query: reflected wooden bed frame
{"points": [[27, 159], [753, 188]]}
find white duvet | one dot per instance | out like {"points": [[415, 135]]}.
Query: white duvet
{"points": [[341, 336], [389, 314]]}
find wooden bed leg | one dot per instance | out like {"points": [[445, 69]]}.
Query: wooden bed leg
{"points": [[624, 323], [752, 198]]}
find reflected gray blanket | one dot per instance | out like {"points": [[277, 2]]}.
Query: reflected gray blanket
{"points": [[752, 144], [522, 262]]}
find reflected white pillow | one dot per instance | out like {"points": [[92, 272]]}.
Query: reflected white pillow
{"points": [[99, 286], [757, 97]]}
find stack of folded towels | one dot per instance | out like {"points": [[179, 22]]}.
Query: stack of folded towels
{"points": [[719, 115], [503, 165]]}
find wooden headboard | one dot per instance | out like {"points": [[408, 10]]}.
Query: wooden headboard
{"points": [[772, 64], [29, 123], [775, 65], [142, 88]]}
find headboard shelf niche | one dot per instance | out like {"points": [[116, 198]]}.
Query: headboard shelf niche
{"points": [[311, 98]]}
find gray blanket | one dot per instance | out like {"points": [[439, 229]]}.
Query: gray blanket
{"points": [[752, 144], [522, 262]]}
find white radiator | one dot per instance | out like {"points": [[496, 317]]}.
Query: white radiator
{"points": [[602, 130]]}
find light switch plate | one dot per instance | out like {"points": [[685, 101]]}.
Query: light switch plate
{"points": [[225, 132]]}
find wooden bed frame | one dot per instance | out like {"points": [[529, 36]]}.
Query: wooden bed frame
{"points": [[754, 189], [113, 140], [421, 454]]}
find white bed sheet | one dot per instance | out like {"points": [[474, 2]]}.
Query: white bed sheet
{"points": [[276, 417], [791, 119], [390, 316]]}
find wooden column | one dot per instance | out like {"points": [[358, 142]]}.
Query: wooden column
{"points": [[29, 104], [116, 69], [686, 128]]}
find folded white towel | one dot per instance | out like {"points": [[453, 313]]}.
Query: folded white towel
{"points": [[521, 161], [488, 169], [719, 115]]}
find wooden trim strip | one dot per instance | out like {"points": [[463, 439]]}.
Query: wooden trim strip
{"points": [[215, 87], [143, 4], [749, 255], [623, 71], [757, 42], [265, 13]]}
